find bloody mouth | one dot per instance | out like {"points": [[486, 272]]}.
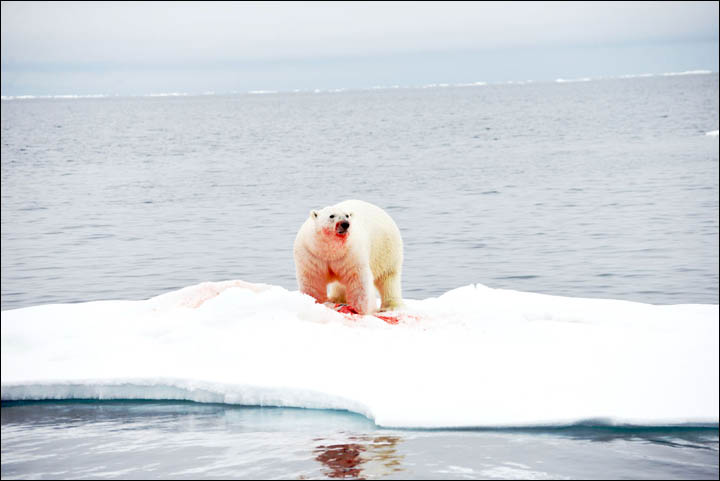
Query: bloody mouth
{"points": [[341, 228]]}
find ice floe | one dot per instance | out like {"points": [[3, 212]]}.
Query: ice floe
{"points": [[473, 357]]}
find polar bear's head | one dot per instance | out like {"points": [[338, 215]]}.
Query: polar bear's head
{"points": [[332, 221]]}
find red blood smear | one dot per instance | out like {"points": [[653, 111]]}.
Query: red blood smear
{"points": [[345, 309], [388, 319]]}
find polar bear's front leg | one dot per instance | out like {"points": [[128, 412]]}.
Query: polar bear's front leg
{"points": [[313, 283], [360, 291]]}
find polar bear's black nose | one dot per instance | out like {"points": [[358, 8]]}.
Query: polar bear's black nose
{"points": [[342, 227]]}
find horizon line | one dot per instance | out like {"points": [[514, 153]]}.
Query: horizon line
{"points": [[357, 89]]}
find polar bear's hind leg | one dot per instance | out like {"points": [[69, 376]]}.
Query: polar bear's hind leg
{"points": [[390, 291]]}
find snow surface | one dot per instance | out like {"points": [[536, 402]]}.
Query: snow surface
{"points": [[473, 357]]}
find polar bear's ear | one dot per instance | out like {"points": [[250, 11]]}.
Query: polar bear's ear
{"points": [[313, 214]]}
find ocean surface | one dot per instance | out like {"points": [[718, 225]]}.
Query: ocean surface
{"points": [[604, 188], [164, 440]]}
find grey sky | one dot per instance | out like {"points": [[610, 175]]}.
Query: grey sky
{"points": [[95, 47]]}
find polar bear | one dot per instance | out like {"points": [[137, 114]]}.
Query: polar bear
{"points": [[352, 246]]}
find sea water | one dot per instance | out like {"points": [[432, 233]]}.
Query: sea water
{"points": [[166, 440], [605, 189]]}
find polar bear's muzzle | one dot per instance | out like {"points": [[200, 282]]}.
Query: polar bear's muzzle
{"points": [[341, 228]]}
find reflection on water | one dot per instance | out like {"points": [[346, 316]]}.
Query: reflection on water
{"points": [[373, 457], [183, 440], [341, 459]]}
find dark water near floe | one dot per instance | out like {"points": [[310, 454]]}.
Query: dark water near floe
{"points": [[164, 440], [603, 189]]}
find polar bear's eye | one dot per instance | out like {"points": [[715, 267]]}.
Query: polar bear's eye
{"points": [[332, 216]]}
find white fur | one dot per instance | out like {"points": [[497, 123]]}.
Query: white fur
{"points": [[369, 256]]}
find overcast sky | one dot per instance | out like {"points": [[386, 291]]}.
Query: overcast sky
{"points": [[145, 47]]}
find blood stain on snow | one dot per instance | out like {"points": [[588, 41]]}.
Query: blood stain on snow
{"points": [[350, 312]]}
